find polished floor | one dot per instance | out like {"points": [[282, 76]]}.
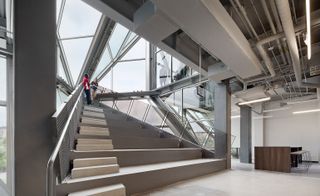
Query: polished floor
{"points": [[243, 180]]}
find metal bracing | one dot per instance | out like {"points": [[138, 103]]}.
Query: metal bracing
{"points": [[65, 86], [186, 82], [62, 54], [125, 95], [64, 62], [100, 40], [124, 51]]}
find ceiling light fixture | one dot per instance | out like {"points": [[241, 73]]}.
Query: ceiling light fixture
{"points": [[255, 101], [237, 116], [306, 111], [308, 37]]}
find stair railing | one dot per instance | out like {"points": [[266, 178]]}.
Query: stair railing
{"points": [[66, 121]]}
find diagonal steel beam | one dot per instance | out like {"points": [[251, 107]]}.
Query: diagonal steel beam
{"points": [[97, 46], [116, 60]]}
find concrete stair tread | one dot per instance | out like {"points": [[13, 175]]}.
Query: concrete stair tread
{"points": [[93, 114], [111, 190], [92, 136], [87, 162], [153, 149], [85, 130], [93, 147], [88, 141], [86, 120], [95, 109], [93, 171], [93, 128], [145, 168]]}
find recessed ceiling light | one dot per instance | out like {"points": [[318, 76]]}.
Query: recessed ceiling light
{"points": [[255, 101]]}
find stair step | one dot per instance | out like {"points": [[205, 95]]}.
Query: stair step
{"points": [[94, 121], [131, 157], [93, 147], [93, 141], [93, 114], [92, 109], [94, 132], [88, 162], [94, 171], [112, 190], [127, 142], [143, 178]]}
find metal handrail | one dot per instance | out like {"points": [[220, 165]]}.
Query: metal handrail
{"points": [[50, 175]]}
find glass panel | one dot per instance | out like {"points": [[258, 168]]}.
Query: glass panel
{"points": [[210, 143], [130, 38], [179, 70], [153, 117], [117, 38], [60, 70], [78, 19], [76, 51], [3, 144], [106, 81], [123, 105], [138, 109], [60, 97], [138, 51], [3, 79], [163, 68], [103, 63], [129, 76]]}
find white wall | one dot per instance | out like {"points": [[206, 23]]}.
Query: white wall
{"points": [[286, 129]]}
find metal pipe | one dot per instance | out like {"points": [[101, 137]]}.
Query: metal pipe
{"points": [[289, 31], [244, 13], [264, 55], [273, 29]]}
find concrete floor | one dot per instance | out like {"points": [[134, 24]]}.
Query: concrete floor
{"points": [[243, 180]]}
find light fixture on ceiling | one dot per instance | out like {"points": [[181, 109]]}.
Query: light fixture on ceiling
{"points": [[308, 36], [255, 101], [276, 109], [306, 111], [236, 116]]}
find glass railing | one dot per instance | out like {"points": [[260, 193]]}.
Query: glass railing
{"points": [[196, 128]]}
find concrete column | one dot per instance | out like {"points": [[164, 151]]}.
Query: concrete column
{"points": [[152, 68], [245, 134], [222, 125], [34, 92]]}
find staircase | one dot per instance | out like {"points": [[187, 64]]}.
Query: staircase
{"points": [[115, 156]]}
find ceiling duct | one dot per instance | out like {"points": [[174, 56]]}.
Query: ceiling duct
{"points": [[252, 93], [152, 24], [209, 24]]}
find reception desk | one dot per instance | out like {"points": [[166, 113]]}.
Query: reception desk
{"points": [[273, 158]]}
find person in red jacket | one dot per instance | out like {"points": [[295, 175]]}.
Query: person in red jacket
{"points": [[86, 86]]}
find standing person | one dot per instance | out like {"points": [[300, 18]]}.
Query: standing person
{"points": [[86, 86], [94, 86]]}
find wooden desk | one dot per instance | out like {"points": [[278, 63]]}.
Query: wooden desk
{"points": [[273, 158]]}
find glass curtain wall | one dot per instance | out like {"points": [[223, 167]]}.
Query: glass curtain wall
{"points": [[129, 72], [6, 101], [77, 23], [195, 107], [170, 69], [3, 120]]}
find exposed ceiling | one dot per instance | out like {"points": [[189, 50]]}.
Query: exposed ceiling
{"points": [[247, 36]]}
